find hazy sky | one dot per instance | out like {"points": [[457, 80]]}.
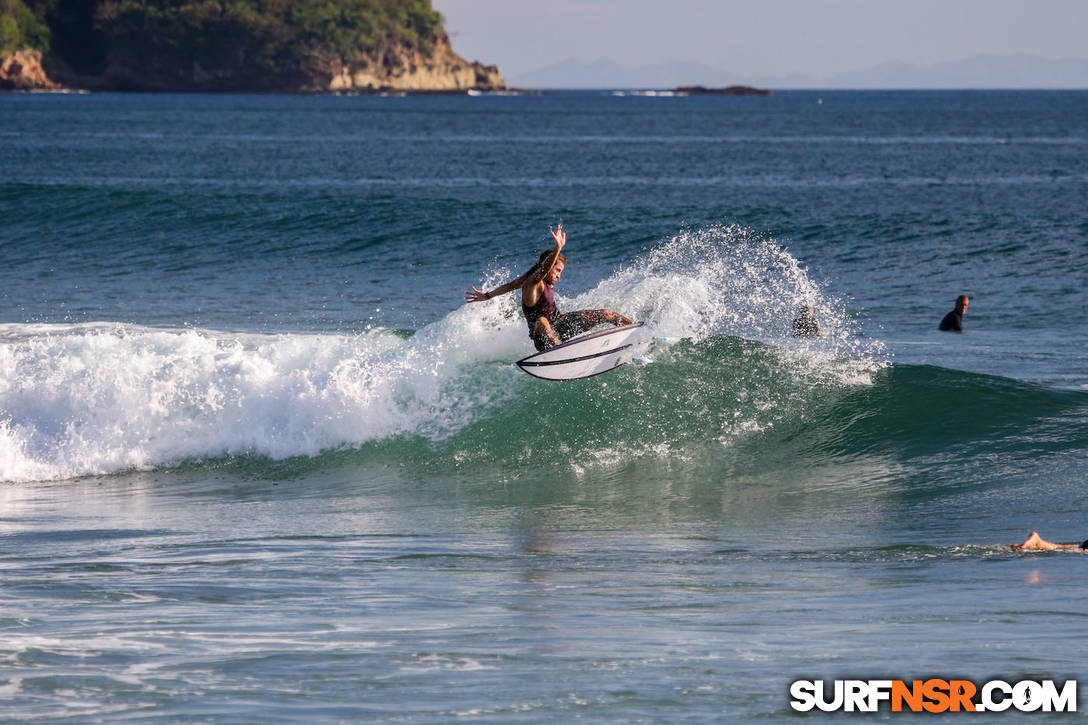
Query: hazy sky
{"points": [[762, 37]]}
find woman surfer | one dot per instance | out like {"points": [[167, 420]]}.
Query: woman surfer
{"points": [[547, 327]]}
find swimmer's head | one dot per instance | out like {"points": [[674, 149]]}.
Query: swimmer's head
{"points": [[1085, 544]]}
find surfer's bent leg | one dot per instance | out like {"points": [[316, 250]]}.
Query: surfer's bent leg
{"points": [[617, 319], [575, 323], [543, 335]]}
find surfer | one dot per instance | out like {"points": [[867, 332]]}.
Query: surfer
{"points": [[804, 325], [547, 327], [1034, 542], [953, 321]]}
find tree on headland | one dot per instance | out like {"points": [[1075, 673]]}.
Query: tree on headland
{"points": [[21, 27], [255, 39]]}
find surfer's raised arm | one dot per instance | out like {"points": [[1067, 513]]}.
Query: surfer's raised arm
{"points": [[544, 266], [534, 276], [545, 271]]}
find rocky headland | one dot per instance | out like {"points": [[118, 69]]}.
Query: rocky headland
{"points": [[305, 46]]}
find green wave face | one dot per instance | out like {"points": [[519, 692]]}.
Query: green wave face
{"points": [[727, 401]]}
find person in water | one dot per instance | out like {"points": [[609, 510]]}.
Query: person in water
{"points": [[547, 327], [804, 325], [953, 321], [1034, 542]]}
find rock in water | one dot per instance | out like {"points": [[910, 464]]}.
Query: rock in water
{"points": [[729, 91], [22, 71]]}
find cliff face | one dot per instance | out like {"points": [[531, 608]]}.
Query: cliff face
{"points": [[404, 68], [399, 67], [22, 71], [411, 69]]}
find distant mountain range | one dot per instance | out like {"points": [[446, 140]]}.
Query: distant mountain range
{"points": [[977, 71]]}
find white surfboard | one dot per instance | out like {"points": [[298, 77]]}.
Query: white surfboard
{"points": [[583, 357]]}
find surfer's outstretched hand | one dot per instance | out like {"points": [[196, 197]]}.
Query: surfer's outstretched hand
{"points": [[475, 295], [559, 236]]}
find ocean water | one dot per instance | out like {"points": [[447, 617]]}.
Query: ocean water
{"points": [[258, 462]]}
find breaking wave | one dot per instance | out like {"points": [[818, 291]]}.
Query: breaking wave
{"points": [[106, 397]]}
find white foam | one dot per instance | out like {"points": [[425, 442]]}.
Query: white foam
{"points": [[102, 398]]}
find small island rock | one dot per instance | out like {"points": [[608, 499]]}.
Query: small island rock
{"points": [[728, 91]]}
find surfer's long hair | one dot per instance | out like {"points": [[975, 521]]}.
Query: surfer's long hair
{"points": [[543, 256]]}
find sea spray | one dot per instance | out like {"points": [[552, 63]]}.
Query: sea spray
{"points": [[728, 280], [717, 280]]}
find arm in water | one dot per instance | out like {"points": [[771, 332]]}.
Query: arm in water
{"points": [[1034, 542]]}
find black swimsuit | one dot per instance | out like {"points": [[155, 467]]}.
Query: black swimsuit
{"points": [[544, 307], [565, 326]]}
